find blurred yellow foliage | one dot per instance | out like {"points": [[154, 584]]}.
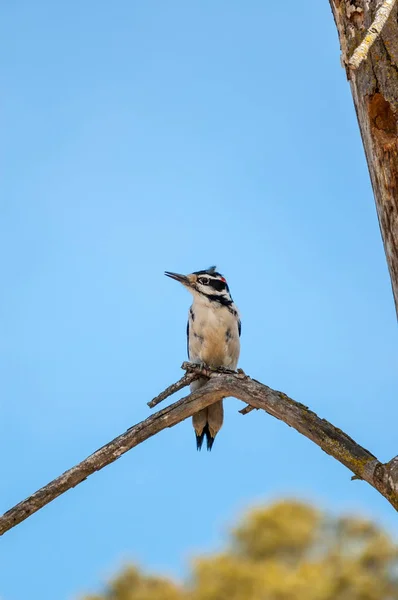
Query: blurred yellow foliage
{"points": [[132, 584], [286, 551]]}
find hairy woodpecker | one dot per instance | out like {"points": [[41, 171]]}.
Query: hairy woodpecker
{"points": [[213, 332]]}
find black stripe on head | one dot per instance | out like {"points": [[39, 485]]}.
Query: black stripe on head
{"points": [[218, 285]]}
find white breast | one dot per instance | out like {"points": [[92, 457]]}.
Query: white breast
{"points": [[213, 335]]}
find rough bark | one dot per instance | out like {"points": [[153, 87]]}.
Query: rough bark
{"points": [[383, 477], [173, 414], [374, 85]]}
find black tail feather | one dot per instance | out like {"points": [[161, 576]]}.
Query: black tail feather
{"points": [[209, 439], [199, 440]]}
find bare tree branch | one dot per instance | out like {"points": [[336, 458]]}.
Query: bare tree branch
{"points": [[169, 416], [383, 477], [173, 388], [246, 409]]}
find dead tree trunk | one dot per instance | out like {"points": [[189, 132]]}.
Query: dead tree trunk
{"points": [[371, 28]]}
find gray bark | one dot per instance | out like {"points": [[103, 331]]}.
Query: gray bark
{"points": [[383, 477]]}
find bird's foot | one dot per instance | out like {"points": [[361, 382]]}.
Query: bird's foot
{"points": [[200, 366], [223, 370], [239, 372]]}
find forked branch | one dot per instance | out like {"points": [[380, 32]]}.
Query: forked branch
{"points": [[383, 477]]}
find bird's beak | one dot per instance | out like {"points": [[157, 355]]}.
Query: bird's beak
{"points": [[181, 278]]}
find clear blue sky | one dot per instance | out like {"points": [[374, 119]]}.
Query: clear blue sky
{"points": [[140, 137]]}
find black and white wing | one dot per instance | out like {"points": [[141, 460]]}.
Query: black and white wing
{"points": [[189, 358]]}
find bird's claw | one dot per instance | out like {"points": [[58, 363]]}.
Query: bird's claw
{"points": [[224, 370], [201, 366]]}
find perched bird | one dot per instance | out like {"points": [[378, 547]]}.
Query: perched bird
{"points": [[213, 333]]}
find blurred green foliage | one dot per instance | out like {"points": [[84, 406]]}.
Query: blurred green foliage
{"points": [[286, 551]]}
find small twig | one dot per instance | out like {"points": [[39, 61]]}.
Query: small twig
{"points": [[247, 409], [193, 371], [175, 387], [360, 53]]}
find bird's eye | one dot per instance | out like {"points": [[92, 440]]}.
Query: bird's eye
{"points": [[203, 280]]}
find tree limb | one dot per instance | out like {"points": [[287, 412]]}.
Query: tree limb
{"points": [[169, 416], [369, 29], [383, 477]]}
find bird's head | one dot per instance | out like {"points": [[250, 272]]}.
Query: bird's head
{"points": [[207, 284]]}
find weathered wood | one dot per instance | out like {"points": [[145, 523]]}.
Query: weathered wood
{"points": [[328, 437], [374, 87], [169, 416], [173, 388], [383, 477], [361, 53]]}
